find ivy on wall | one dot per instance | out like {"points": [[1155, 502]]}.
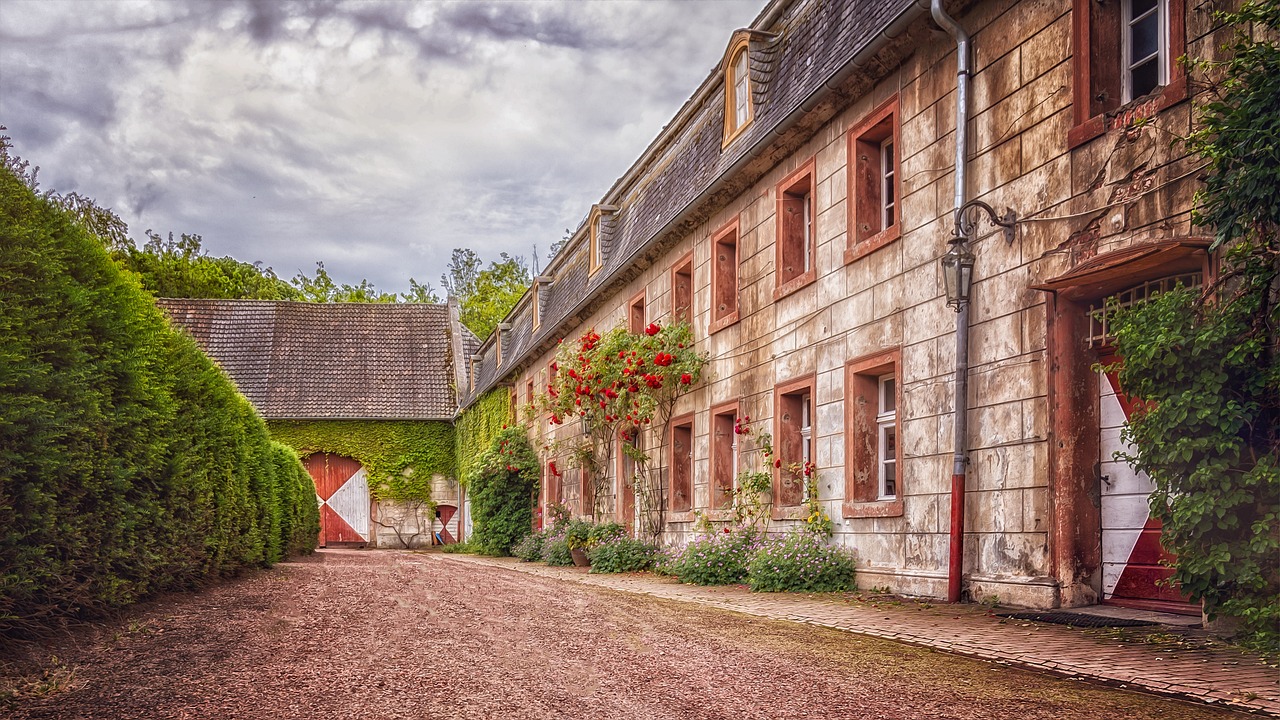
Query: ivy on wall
{"points": [[478, 425], [400, 456]]}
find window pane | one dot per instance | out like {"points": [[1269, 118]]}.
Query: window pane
{"points": [[1145, 78], [1142, 6], [890, 480], [889, 396], [1145, 35], [890, 447]]}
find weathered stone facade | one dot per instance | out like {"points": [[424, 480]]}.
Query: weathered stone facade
{"points": [[1086, 189]]}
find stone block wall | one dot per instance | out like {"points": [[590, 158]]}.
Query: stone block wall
{"points": [[1125, 186]]}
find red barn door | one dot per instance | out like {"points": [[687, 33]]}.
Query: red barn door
{"points": [[1135, 566], [342, 490]]}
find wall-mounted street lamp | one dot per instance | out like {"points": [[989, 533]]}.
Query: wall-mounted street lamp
{"points": [[957, 263], [957, 274]]}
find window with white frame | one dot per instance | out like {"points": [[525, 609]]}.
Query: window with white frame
{"points": [[1144, 47], [741, 90], [808, 231], [806, 439], [887, 432], [597, 254], [888, 197]]}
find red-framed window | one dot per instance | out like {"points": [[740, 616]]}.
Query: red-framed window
{"points": [[796, 243], [875, 183]]}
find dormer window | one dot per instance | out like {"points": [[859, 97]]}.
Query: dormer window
{"points": [[596, 231], [533, 304], [501, 337], [536, 300], [738, 111], [597, 253]]}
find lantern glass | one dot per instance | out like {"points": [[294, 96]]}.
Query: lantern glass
{"points": [[957, 274]]}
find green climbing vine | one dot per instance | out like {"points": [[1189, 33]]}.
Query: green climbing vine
{"points": [[1207, 367], [399, 455], [478, 425]]}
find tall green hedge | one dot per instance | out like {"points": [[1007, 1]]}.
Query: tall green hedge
{"points": [[478, 425], [128, 462]]}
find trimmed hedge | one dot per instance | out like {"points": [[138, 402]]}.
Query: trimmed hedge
{"points": [[129, 464]]}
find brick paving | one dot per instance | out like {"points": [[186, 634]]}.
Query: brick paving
{"points": [[1133, 658]]}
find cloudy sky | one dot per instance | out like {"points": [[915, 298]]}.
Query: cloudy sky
{"points": [[373, 135]]}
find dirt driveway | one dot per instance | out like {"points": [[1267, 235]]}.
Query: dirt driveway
{"points": [[381, 635]]}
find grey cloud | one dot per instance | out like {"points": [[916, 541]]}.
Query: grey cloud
{"points": [[489, 126]]}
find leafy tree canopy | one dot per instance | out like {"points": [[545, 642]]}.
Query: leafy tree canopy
{"points": [[485, 296]]}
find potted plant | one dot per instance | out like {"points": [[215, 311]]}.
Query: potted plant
{"points": [[578, 534]]}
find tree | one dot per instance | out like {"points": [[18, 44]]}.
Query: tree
{"points": [[180, 268], [1205, 365], [322, 289], [485, 296]]}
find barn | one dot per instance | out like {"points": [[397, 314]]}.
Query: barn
{"points": [[364, 392]]}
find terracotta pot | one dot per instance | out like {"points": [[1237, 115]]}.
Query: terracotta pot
{"points": [[580, 557]]}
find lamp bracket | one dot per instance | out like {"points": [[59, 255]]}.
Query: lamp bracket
{"points": [[966, 222]]}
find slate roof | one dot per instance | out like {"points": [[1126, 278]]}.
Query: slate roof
{"points": [[296, 360], [804, 45]]}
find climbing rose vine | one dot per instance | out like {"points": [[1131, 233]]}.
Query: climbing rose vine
{"points": [[622, 378]]}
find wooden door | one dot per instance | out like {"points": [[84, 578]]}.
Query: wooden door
{"points": [[1135, 568], [342, 489]]}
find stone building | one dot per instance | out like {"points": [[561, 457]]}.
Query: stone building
{"points": [[355, 388], [799, 206]]}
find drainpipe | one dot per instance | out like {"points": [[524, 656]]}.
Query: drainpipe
{"points": [[955, 562]]}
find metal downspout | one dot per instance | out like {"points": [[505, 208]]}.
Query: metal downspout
{"points": [[955, 562]]}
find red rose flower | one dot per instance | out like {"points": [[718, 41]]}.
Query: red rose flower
{"points": [[653, 329], [685, 379]]}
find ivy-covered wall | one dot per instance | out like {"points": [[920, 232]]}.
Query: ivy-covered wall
{"points": [[386, 448], [478, 425]]}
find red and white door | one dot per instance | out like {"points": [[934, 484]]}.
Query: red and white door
{"points": [[1134, 569], [342, 489]]}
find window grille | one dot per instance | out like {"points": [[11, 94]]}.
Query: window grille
{"points": [[1099, 320]]}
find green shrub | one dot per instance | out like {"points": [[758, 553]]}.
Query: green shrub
{"points": [[800, 562], [621, 555], [529, 549], [555, 548], [502, 484], [578, 534], [129, 464], [718, 559], [605, 532], [462, 548]]}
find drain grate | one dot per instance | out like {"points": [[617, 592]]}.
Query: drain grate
{"points": [[1075, 619]]}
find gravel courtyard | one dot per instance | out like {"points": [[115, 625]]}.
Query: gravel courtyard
{"points": [[380, 634]]}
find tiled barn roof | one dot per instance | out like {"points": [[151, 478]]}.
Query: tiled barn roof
{"points": [[799, 50], [296, 360]]}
